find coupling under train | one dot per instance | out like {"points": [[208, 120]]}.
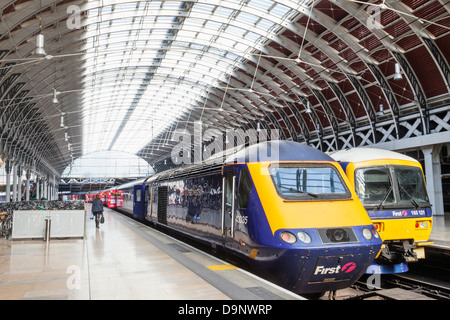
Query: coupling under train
{"points": [[283, 207], [391, 187]]}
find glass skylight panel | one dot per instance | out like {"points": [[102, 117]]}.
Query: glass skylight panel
{"points": [[223, 11], [236, 31], [279, 10], [125, 6], [252, 37], [154, 4], [194, 22], [204, 36], [188, 34], [172, 4], [260, 4], [106, 9], [265, 24], [225, 43], [203, 7], [240, 47], [213, 25], [246, 17]]}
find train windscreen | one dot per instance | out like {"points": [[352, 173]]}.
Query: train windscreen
{"points": [[391, 186], [308, 182]]}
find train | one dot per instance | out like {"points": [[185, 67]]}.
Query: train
{"points": [[391, 187], [112, 198], [292, 217]]}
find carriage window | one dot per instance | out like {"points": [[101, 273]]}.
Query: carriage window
{"points": [[138, 195], [244, 189], [308, 182]]}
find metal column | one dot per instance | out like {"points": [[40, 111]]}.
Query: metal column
{"points": [[8, 181], [19, 183], [14, 195], [433, 178], [27, 191]]}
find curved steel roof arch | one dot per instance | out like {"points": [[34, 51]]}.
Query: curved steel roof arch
{"points": [[314, 69]]}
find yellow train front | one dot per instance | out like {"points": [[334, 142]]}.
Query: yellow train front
{"points": [[290, 215], [391, 187]]}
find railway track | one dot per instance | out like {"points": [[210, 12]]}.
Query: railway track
{"points": [[399, 287], [426, 280]]}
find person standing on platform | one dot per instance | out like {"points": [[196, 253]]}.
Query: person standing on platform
{"points": [[97, 210]]}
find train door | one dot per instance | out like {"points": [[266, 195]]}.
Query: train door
{"points": [[228, 204], [147, 201], [243, 196], [153, 202], [162, 204], [139, 207]]}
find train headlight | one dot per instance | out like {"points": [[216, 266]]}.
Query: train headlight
{"points": [[367, 234], [303, 237], [288, 237]]}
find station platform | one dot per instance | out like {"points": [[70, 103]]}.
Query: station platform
{"points": [[440, 233], [123, 259]]}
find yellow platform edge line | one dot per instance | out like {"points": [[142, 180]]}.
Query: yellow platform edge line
{"points": [[222, 267]]}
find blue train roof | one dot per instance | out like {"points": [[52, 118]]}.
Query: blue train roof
{"points": [[278, 150], [275, 150]]}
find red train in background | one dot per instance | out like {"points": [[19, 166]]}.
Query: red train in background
{"points": [[111, 198], [88, 197]]}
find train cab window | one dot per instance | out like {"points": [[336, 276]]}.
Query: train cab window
{"points": [[374, 186], [308, 182], [411, 185], [244, 189]]}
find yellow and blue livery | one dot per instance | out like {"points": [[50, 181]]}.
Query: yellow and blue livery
{"points": [[391, 186], [284, 208]]}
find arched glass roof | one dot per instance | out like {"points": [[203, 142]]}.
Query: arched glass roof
{"points": [[108, 164], [148, 63]]}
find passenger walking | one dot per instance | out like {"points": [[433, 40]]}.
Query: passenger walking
{"points": [[97, 210]]}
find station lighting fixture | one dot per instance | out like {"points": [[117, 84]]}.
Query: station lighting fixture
{"points": [[40, 45], [381, 112], [62, 121], [398, 74], [308, 108], [55, 99]]}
